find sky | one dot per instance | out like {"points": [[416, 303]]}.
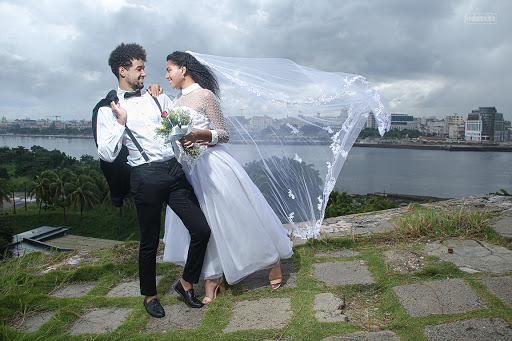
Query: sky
{"points": [[428, 58]]}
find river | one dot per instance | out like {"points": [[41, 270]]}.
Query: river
{"points": [[435, 173]]}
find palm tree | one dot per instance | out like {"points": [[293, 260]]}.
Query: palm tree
{"points": [[82, 192], [5, 192], [40, 188], [59, 187]]}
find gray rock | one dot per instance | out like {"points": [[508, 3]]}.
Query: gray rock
{"points": [[177, 316], [267, 313], [384, 335], [340, 253], [327, 307], [33, 322], [403, 261], [504, 226], [438, 297], [484, 329], [73, 290], [473, 254], [100, 321], [348, 272], [501, 286], [128, 288], [259, 279]]}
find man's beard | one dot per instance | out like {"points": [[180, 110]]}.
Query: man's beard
{"points": [[136, 84]]}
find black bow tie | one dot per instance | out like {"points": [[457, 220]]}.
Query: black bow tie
{"points": [[131, 94]]}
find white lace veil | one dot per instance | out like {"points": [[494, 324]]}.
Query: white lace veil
{"points": [[291, 127]]}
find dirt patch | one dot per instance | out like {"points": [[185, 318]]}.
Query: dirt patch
{"points": [[361, 309], [403, 261]]}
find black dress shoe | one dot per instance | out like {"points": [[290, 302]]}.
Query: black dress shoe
{"points": [[154, 308], [188, 296]]}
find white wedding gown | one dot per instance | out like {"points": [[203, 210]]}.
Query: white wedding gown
{"points": [[247, 236]]}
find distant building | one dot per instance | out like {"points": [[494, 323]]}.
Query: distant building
{"points": [[508, 131], [456, 132], [485, 124], [435, 126], [402, 121], [371, 122], [454, 126]]}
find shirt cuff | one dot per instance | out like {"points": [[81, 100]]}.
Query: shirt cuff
{"points": [[215, 138]]}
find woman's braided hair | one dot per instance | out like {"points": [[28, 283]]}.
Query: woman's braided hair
{"points": [[200, 73]]}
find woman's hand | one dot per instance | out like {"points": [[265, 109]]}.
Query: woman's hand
{"points": [[119, 112], [155, 90], [200, 136]]}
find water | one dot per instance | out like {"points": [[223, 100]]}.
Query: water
{"points": [[367, 170]]}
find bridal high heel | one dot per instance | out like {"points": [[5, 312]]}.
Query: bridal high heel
{"points": [[207, 300], [275, 281]]}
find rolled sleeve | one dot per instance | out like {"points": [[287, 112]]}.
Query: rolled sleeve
{"points": [[109, 135]]}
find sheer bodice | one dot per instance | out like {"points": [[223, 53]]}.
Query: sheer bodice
{"points": [[205, 103]]}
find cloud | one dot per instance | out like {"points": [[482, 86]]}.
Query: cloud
{"points": [[421, 55]]}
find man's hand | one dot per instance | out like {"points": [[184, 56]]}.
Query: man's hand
{"points": [[155, 90], [119, 112]]}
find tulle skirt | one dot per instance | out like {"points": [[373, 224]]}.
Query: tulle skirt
{"points": [[247, 236]]}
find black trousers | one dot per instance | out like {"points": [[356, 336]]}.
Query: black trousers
{"points": [[153, 184]]}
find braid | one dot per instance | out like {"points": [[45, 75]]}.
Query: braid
{"points": [[201, 74]]}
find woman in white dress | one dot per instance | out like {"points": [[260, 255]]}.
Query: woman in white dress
{"points": [[247, 235]]}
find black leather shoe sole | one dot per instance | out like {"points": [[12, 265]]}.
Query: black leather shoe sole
{"points": [[188, 296], [154, 308]]}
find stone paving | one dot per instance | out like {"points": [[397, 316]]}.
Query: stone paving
{"points": [[501, 286], [177, 316], [442, 296], [266, 313], [492, 329], [100, 321], [473, 255], [438, 297], [73, 290], [343, 272]]}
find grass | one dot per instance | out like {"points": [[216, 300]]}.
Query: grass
{"points": [[430, 223], [24, 287]]}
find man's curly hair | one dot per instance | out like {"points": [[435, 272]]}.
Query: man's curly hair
{"points": [[123, 55]]}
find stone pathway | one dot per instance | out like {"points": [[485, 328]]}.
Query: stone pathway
{"points": [[266, 313], [472, 255], [485, 329], [100, 321], [343, 272], [438, 297], [501, 286], [73, 290], [177, 316], [331, 270]]}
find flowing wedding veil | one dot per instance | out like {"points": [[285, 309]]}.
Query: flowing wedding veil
{"points": [[291, 127]]}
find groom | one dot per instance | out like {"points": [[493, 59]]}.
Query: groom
{"points": [[156, 175]]}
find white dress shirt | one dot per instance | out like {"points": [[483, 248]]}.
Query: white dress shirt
{"points": [[143, 119]]}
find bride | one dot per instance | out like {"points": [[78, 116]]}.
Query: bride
{"points": [[247, 236]]}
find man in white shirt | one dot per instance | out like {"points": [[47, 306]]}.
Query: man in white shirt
{"points": [[156, 175]]}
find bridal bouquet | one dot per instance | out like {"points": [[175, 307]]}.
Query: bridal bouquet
{"points": [[175, 125]]}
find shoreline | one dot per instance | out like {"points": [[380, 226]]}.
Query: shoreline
{"points": [[452, 147]]}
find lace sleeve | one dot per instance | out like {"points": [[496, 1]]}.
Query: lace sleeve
{"points": [[220, 134]]}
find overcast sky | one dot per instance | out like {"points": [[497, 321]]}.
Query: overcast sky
{"points": [[422, 55]]}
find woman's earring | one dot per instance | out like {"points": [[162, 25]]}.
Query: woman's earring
{"points": [[182, 76]]}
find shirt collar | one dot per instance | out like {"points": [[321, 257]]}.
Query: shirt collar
{"points": [[120, 92], [190, 88]]}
